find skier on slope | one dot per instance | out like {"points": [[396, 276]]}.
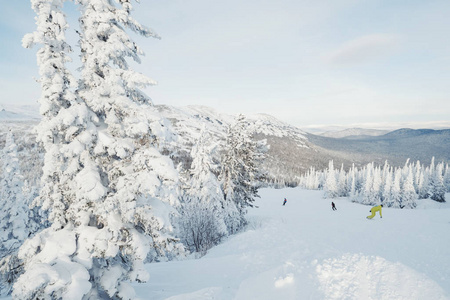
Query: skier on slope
{"points": [[374, 209], [333, 207], [284, 202]]}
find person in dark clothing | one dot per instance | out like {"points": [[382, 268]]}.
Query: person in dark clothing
{"points": [[284, 202], [333, 207]]}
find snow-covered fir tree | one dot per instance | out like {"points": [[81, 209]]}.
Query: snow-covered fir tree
{"points": [[202, 223], [377, 186], [447, 178], [353, 193], [436, 185], [330, 186], [342, 183], [408, 192], [107, 186], [396, 196], [14, 227], [387, 188], [17, 220], [240, 172], [417, 177], [369, 194], [312, 181], [423, 184]]}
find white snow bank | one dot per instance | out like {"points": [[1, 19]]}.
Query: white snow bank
{"points": [[304, 250], [355, 276], [431, 204]]}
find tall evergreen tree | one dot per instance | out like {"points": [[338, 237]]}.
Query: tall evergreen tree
{"points": [[202, 213], [240, 172], [342, 183], [64, 120], [368, 192], [396, 198], [408, 193], [330, 187], [423, 184], [352, 184], [447, 178], [417, 177], [387, 195], [17, 220], [436, 186], [377, 186], [14, 216], [108, 188]]}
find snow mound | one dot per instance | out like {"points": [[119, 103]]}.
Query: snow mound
{"points": [[355, 276], [431, 204]]}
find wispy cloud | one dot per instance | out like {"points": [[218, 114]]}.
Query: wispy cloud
{"points": [[364, 49]]}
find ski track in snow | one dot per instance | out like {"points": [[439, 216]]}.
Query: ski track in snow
{"points": [[304, 250]]}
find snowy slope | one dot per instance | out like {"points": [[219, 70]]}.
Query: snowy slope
{"points": [[305, 250], [189, 120]]}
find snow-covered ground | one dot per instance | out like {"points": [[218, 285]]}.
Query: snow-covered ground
{"points": [[304, 250]]}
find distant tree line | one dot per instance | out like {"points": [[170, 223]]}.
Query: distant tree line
{"points": [[398, 187]]}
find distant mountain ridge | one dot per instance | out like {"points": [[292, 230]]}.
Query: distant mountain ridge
{"points": [[293, 151], [16, 112], [396, 146], [354, 132]]}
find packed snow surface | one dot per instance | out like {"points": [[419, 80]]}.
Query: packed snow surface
{"points": [[305, 250]]}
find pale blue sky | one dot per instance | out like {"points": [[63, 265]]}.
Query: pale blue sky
{"points": [[305, 62]]}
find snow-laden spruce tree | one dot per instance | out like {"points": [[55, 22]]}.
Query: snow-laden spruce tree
{"points": [[387, 187], [240, 172], [368, 192], [49, 257], [351, 181], [17, 220], [423, 183], [108, 188], [330, 187], [342, 183], [396, 197], [436, 183], [408, 192], [14, 215], [139, 181], [377, 186], [417, 176], [311, 180], [202, 223], [447, 178]]}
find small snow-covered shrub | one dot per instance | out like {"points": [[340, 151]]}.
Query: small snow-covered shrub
{"points": [[200, 228]]}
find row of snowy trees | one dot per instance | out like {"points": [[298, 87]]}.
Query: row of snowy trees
{"points": [[373, 185], [111, 196], [205, 213]]}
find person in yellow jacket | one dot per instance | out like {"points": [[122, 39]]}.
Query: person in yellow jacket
{"points": [[374, 209]]}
